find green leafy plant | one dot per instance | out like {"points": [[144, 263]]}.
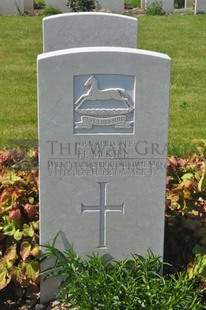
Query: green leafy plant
{"points": [[51, 10], [102, 283], [132, 3], [19, 224], [185, 222], [155, 8], [39, 4], [184, 12], [179, 4], [81, 5]]}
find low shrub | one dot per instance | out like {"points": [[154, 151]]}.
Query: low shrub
{"points": [[51, 10], [104, 284], [19, 221], [185, 219], [39, 4], [132, 3], [154, 8], [81, 5], [179, 4], [184, 12]]}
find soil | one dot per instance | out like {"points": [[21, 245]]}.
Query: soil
{"points": [[9, 301]]}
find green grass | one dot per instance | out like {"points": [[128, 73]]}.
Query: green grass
{"points": [[39, 2], [181, 37], [20, 42], [134, 3]]}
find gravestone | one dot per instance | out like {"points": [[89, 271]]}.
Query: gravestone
{"points": [[200, 6], [189, 3], [11, 7], [88, 29], [116, 6], [60, 4], [167, 5], [28, 5], [142, 4], [103, 123]]}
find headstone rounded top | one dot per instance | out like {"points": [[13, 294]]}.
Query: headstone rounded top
{"points": [[103, 49], [103, 132], [75, 14], [81, 29]]}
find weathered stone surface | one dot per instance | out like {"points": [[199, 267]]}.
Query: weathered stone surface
{"points": [[11, 7], [28, 5], [103, 120], [61, 4], [189, 3], [116, 6], [167, 5], [200, 6], [88, 29], [142, 4]]}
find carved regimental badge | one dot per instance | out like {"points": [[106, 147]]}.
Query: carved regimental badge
{"points": [[103, 104]]}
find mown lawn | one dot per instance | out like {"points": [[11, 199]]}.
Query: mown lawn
{"points": [[182, 37], [20, 43]]}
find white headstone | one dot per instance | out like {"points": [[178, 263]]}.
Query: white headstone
{"points": [[189, 3], [142, 4], [28, 5], [11, 7], [200, 6], [88, 29], [116, 6], [103, 123], [167, 5], [60, 4]]}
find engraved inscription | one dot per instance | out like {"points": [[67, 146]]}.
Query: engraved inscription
{"points": [[102, 109], [105, 158], [73, 168], [102, 208], [107, 149]]}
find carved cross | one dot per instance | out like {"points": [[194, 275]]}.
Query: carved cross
{"points": [[102, 208]]}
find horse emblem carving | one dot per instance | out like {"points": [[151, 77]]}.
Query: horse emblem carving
{"points": [[96, 94]]}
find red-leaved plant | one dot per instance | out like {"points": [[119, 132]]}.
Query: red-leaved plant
{"points": [[185, 229], [19, 221], [185, 218]]}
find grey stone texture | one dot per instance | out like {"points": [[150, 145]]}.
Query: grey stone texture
{"points": [[88, 29], [61, 4], [168, 5], [103, 126], [142, 4], [28, 5], [116, 6], [11, 7], [189, 3], [200, 6]]}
